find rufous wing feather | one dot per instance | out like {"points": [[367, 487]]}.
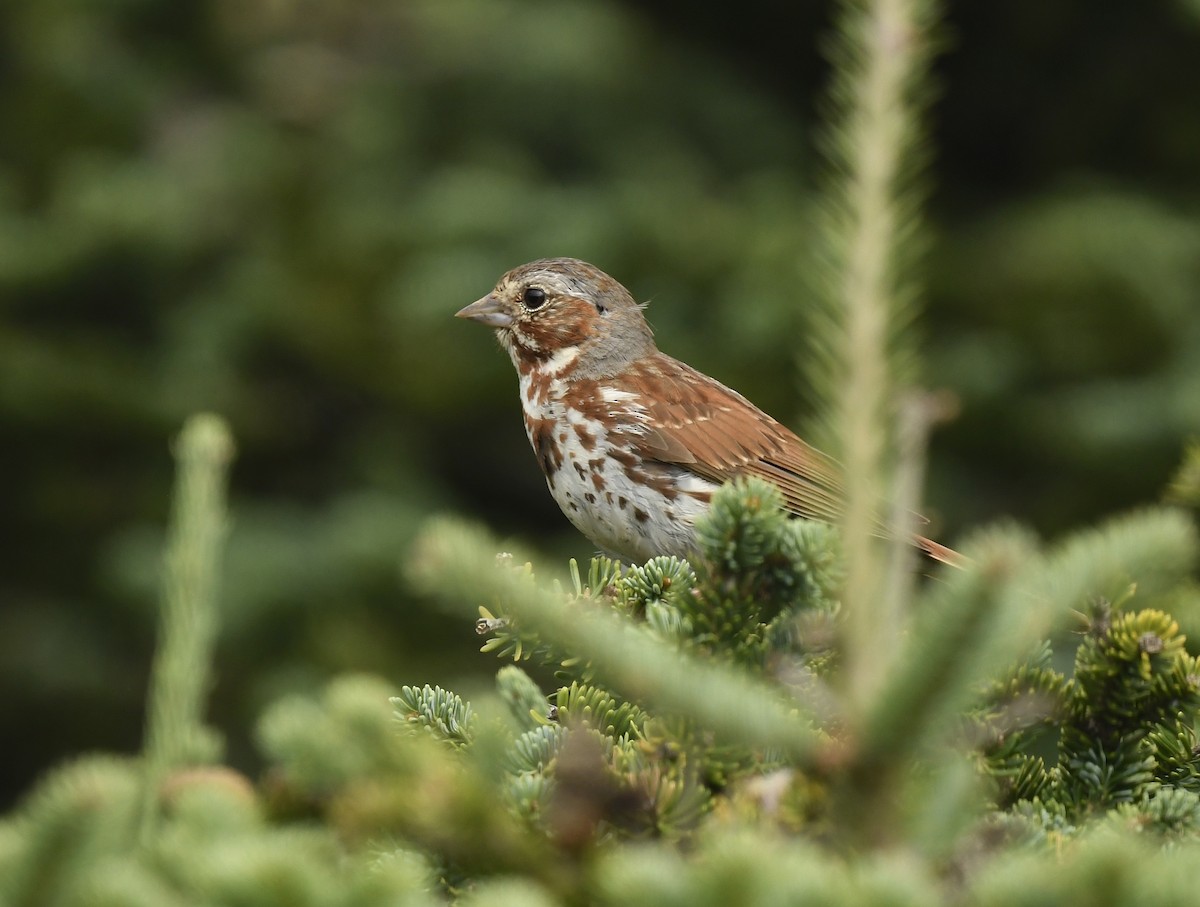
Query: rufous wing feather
{"points": [[717, 433]]}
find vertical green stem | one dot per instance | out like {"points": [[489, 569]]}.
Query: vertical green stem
{"points": [[917, 412], [175, 731], [885, 55]]}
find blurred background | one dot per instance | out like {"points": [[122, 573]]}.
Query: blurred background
{"points": [[272, 208]]}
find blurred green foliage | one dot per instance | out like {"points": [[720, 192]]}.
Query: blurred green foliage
{"points": [[271, 210]]}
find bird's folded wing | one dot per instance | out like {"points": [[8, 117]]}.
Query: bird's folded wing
{"points": [[698, 423]]}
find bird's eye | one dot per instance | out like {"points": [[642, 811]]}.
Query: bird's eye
{"points": [[533, 297]]}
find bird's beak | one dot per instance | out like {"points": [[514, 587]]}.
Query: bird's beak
{"points": [[489, 311]]}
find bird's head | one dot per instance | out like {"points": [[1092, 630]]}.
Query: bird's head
{"points": [[561, 312]]}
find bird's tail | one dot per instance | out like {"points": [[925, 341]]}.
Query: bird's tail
{"points": [[940, 552]]}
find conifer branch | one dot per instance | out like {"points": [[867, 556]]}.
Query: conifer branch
{"points": [[1184, 488], [980, 619], [457, 563], [872, 202], [175, 732]]}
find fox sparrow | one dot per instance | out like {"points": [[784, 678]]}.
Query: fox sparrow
{"points": [[632, 442]]}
